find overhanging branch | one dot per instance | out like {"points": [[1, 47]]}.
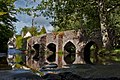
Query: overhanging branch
{"points": [[113, 7]]}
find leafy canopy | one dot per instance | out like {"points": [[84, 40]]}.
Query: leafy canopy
{"points": [[6, 19]]}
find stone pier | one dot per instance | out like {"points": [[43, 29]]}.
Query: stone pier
{"points": [[62, 48]]}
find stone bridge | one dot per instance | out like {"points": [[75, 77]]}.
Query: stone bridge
{"points": [[62, 48]]}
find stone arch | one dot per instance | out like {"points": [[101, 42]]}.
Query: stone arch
{"points": [[51, 53], [69, 52], [36, 56], [90, 52]]}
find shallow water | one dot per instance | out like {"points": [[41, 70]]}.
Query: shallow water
{"points": [[18, 74]]}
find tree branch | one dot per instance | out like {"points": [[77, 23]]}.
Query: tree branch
{"points": [[113, 7]]}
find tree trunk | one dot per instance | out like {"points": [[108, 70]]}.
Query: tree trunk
{"points": [[3, 56], [104, 25]]}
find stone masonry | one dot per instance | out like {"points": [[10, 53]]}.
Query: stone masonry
{"points": [[55, 44]]}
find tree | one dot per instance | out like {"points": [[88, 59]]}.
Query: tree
{"points": [[105, 6], [6, 28], [2, 13], [75, 14], [32, 30], [24, 30], [42, 31], [71, 14], [19, 41]]}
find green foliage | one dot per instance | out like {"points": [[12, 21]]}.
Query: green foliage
{"points": [[5, 33], [60, 53], [18, 58], [108, 56], [19, 41], [24, 30], [71, 14], [18, 66], [102, 51], [2, 13], [32, 30], [42, 31], [8, 7], [76, 14], [116, 51], [6, 26]]}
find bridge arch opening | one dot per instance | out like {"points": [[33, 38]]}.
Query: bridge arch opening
{"points": [[36, 56], [69, 52], [51, 56], [90, 53]]}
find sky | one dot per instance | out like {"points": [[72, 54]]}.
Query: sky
{"points": [[26, 20]]}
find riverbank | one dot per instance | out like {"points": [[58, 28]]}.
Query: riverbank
{"points": [[87, 72], [71, 76], [72, 72]]}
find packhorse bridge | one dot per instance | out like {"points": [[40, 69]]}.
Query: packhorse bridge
{"points": [[62, 48]]}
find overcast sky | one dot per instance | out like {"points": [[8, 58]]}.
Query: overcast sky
{"points": [[25, 20]]}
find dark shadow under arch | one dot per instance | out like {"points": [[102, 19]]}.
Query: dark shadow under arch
{"points": [[52, 52], [69, 52], [88, 54], [36, 56]]}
